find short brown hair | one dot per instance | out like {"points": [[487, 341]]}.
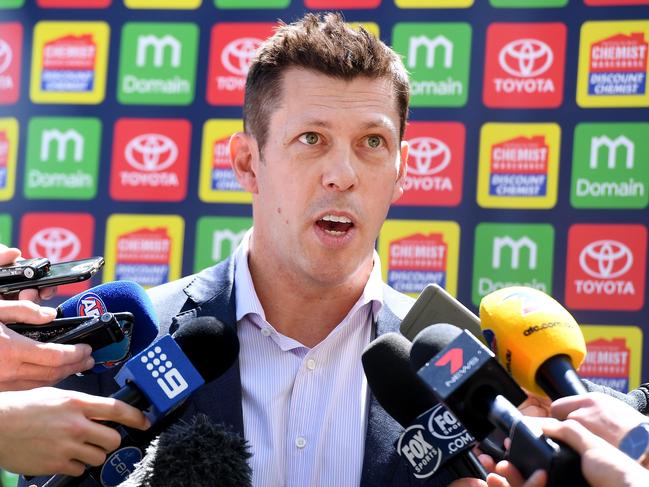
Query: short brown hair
{"points": [[322, 43]]}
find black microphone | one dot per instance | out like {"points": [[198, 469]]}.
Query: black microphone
{"points": [[198, 352], [468, 379], [405, 397], [197, 452]]}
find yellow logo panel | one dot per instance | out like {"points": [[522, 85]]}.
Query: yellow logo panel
{"points": [[433, 3], [8, 155], [613, 64], [218, 183], [614, 355], [146, 249], [417, 253], [164, 4], [371, 27], [519, 165], [69, 61]]}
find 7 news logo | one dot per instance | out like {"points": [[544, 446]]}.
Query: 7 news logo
{"points": [[524, 65], [608, 171], [606, 267], [158, 63], [437, 55]]}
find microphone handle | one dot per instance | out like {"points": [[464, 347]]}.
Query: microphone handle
{"points": [[558, 378], [467, 465]]}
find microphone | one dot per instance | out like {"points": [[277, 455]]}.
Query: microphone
{"points": [[406, 398], [114, 297], [197, 452], [536, 339], [158, 380], [466, 377]]}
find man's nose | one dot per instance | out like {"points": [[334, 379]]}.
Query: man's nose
{"points": [[340, 170]]}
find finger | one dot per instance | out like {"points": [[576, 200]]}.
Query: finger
{"points": [[23, 311], [73, 468], [52, 354], [22, 385], [574, 434], [48, 375], [468, 482], [46, 293], [104, 408], [29, 295], [537, 479], [495, 480], [562, 407], [510, 472], [102, 436], [8, 255], [487, 462]]}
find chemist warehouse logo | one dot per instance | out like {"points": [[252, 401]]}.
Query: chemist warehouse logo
{"points": [[618, 65], [606, 267], [519, 167], [150, 159], [524, 65]]}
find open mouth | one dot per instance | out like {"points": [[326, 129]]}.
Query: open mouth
{"points": [[335, 225]]}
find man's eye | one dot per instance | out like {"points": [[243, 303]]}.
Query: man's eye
{"points": [[309, 138], [374, 141]]}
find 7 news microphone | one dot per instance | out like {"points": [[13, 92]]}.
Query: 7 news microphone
{"points": [[433, 438], [158, 380], [465, 376]]}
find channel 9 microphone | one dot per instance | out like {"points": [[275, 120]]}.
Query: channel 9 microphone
{"points": [[434, 441], [158, 380], [194, 452], [114, 297], [536, 339], [466, 377]]}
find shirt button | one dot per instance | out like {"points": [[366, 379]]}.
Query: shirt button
{"points": [[265, 332], [310, 364], [300, 442]]}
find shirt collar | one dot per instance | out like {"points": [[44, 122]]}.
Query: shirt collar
{"points": [[248, 302]]}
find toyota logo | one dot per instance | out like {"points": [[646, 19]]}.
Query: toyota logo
{"points": [[605, 259], [238, 55], [151, 152], [5, 56], [526, 58], [429, 156], [55, 243]]}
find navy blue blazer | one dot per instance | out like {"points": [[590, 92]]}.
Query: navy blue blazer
{"points": [[211, 293]]}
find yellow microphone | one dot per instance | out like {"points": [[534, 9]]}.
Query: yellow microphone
{"points": [[536, 339]]}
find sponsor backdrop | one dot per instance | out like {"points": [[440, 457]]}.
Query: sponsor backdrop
{"points": [[529, 145]]}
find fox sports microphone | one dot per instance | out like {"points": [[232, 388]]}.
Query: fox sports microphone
{"points": [[158, 380], [466, 377], [196, 452], [536, 339], [115, 297], [433, 436]]}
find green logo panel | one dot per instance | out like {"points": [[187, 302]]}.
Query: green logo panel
{"points": [[62, 158], [217, 237], [609, 165], [251, 3], [528, 3], [157, 64], [5, 229], [507, 254], [11, 3], [438, 58]]}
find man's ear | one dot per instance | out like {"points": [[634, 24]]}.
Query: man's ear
{"points": [[244, 156], [403, 170]]}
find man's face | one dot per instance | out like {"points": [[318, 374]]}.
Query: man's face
{"points": [[331, 166]]}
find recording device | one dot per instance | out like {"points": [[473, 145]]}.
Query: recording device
{"points": [[96, 331], [436, 305], [24, 270], [116, 297], [466, 377], [196, 452], [58, 274], [158, 380], [536, 339], [433, 438]]}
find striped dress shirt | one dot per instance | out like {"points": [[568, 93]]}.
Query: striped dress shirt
{"points": [[304, 409]]}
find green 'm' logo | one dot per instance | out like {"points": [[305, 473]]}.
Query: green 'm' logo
{"points": [[5, 229], [62, 158], [217, 237], [157, 64], [11, 3], [437, 57], [610, 165], [512, 255], [251, 3]]}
